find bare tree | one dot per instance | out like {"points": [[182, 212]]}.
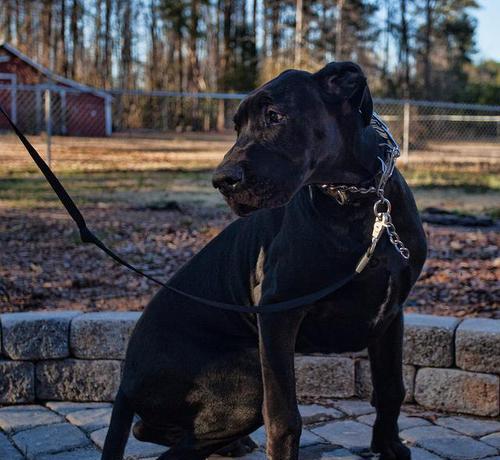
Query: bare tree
{"points": [[420, 46], [108, 45], [298, 32], [429, 10], [75, 38], [404, 48], [47, 32], [339, 30], [62, 37]]}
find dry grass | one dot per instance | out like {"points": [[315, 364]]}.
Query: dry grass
{"points": [[187, 151], [459, 152], [169, 152], [153, 168]]}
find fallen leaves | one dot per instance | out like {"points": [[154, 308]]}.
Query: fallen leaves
{"points": [[44, 266], [461, 275]]}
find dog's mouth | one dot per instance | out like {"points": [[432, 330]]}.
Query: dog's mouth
{"points": [[245, 202]]}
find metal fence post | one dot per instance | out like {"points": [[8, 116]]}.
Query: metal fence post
{"points": [[108, 115], [14, 99], [38, 109], [48, 124], [64, 112], [405, 157], [221, 115]]}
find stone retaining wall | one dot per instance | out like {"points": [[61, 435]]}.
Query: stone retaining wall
{"points": [[449, 365]]}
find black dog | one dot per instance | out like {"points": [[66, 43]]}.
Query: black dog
{"points": [[201, 378]]}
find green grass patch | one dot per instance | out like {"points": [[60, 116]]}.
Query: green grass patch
{"points": [[467, 180], [463, 190], [123, 187]]}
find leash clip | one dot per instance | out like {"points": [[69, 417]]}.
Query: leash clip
{"points": [[380, 224]]}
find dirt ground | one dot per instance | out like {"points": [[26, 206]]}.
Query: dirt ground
{"points": [[151, 200]]}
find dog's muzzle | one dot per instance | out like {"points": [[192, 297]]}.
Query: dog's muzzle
{"points": [[228, 180]]}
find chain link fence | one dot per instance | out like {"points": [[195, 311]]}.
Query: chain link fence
{"points": [[426, 130]]}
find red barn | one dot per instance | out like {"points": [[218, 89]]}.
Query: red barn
{"points": [[28, 89]]}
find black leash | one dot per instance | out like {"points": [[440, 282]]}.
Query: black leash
{"points": [[87, 236]]}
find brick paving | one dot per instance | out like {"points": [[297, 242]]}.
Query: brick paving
{"points": [[339, 431]]}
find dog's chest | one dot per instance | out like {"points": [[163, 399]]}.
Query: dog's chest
{"points": [[348, 320]]}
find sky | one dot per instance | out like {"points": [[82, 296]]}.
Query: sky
{"points": [[488, 30]]}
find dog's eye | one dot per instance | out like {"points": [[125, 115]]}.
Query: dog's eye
{"points": [[274, 117]]}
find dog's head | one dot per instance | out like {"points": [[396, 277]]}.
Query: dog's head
{"points": [[287, 130]]}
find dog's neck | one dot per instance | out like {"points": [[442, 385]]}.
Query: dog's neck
{"points": [[356, 164], [319, 231], [356, 161], [321, 236]]}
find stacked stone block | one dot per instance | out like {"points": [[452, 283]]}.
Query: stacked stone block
{"points": [[449, 365], [62, 356]]}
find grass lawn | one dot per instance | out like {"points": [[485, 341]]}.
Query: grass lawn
{"points": [[457, 188], [154, 170]]}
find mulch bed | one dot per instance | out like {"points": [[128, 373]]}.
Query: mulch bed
{"points": [[43, 265]]}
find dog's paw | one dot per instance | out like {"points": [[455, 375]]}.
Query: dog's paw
{"points": [[393, 450], [238, 448]]}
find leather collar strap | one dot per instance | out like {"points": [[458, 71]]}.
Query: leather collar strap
{"points": [[87, 236]]}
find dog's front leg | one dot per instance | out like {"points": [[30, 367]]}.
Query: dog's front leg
{"points": [[277, 335], [386, 360]]}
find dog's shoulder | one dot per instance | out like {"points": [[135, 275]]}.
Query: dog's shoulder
{"points": [[231, 257]]}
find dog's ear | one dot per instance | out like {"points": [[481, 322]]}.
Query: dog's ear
{"points": [[344, 85]]}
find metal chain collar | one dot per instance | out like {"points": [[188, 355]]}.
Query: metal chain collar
{"points": [[382, 207]]}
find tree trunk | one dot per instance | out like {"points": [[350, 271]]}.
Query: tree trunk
{"points": [[427, 47], [47, 34], [387, 37], [275, 28], [7, 21], [298, 32], [193, 75], [75, 13], [19, 38], [227, 43], [154, 55], [405, 50], [180, 63], [254, 21], [97, 40], [265, 27], [62, 33], [27, 32], [126, 51], [339, 31], [108, 45]]}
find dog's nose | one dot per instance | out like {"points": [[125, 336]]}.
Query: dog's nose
{"points": [[228, 180]]}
